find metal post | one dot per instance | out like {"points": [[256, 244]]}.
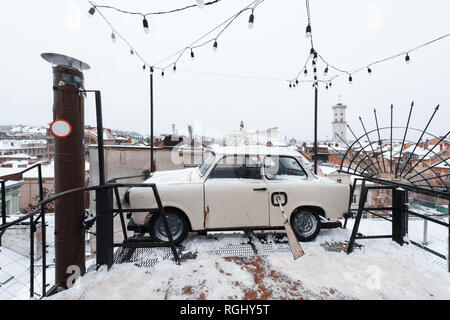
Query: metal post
{"points": [[166, 224], [31, 257], [152, 167], [44, 252], [315, 128], [100, 144], [362, 201], [104, 241], [399, 215], [425, 232], [3, 202], [122, 219]]}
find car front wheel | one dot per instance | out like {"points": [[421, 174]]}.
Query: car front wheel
{"points": [[306, 224], [177, 224]]}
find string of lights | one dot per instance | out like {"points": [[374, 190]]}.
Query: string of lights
{"points": [[213, 35], [199, 42], [328, 81], [200, 4], [368, 66]]}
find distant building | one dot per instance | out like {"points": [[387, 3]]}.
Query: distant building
{"points": [[339, 124]]}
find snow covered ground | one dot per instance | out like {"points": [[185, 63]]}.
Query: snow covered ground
{"points": [[380, 269]]}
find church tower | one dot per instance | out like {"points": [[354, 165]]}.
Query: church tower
{"points": [[339, 124]]}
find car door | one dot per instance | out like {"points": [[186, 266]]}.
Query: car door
{"points": [[285, 175], [236, 195]]}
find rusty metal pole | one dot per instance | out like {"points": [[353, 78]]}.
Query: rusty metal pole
{"points": [[69, 165]]}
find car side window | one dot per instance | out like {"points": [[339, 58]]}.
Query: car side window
{"points": [[283, 168], [237, 167]]}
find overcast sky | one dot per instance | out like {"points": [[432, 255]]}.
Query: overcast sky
{"points": [[347, 33]]}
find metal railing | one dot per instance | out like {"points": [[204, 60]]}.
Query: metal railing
{"points": [[398, 214], [104, 248]]}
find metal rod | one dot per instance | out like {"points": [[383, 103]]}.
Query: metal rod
{"points": [[429, 151], [152, 168], [392, 118], [429, 250], [404, 137], [370, 143], [315, 127], [362, 201], [425, 232], [379, 138], [44, 252], [31, 257], [362, 148], [166, 224], [3, 184], [119, 206], [420, 138], [100, 144]]}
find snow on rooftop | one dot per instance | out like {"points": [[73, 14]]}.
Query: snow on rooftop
{"points": [[328, 170], [255, 149], [380, 269]]}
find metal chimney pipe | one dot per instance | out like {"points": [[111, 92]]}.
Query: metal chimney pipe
{"points": [[69, 165]]}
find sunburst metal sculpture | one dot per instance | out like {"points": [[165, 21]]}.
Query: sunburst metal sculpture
{"points": [[403, 161]]}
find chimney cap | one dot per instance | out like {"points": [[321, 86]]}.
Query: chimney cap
{"points": [[62, 60]]}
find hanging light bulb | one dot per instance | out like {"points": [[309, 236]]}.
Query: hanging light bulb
{"points": [[143, 67], [113, 37], [315, 78], [215, 46], [92, 11], [174, 68], [308, 31], [325, 72], [151, 70], [290, 85], [315, 71], [369, 71], [192, 54], [145, 24], [326, 86], [407, 60], [311, 52], [305, 72], [330, 84], [350, 79], [313, 63], [251, 19], [315, 56], [162, 73], [131, 52], [293, 85], [296, 81], [200, 4]]}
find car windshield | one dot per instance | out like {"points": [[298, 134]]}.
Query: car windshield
{"points": [[206, 163]]}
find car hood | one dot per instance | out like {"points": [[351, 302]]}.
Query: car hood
{"points": [[175, 176]]}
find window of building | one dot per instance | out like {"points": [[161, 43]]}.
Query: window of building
{"points": [[339, 180]]}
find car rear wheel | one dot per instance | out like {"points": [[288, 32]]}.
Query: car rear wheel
{"points": [[177, 224], [306, 224]]}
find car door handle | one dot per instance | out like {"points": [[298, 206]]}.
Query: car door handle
{"points": [[260, 189]]}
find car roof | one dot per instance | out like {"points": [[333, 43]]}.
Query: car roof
{"points": [[255, 150]]}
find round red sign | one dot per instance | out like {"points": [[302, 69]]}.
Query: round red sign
{"points": [[61, 128]]}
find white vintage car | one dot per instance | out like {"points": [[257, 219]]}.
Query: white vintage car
{"points": [[235, 189]]}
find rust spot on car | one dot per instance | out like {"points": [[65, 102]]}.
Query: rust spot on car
{"points": [[206, 220]]}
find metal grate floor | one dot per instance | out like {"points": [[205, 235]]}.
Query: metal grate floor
{"points": [[149, 257]]}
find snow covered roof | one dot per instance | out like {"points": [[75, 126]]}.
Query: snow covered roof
{"points": [[262, 150], [328, 170]]}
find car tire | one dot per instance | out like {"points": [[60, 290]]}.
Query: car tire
{"points": [[306, 224], [177, 223]]}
